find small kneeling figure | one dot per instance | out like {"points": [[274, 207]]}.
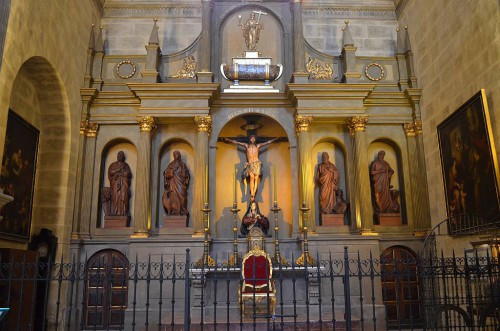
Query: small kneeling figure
{"points": [[253, 218]]}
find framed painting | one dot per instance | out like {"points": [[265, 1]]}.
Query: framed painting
{"points": [[469, 163], [17, 177]]}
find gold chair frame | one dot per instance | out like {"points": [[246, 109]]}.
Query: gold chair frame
{"points": [[253, 298]]}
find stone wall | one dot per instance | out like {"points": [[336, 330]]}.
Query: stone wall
{"points": [[372, 23], [456, 47], [127, 25], [49, 39]]}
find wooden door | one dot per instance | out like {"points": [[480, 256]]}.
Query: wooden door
{"points": [[400, 288], [106, 290]]}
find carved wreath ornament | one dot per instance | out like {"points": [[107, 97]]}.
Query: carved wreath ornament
{"points": [[125, 69]]}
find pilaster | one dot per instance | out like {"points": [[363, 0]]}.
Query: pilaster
{"points": [[98, 61], [300, 74], [302, 128], [203, 127], [424, 225], [401, 59], [362, 207], [205, 57], [142, 214], [88, 131]]}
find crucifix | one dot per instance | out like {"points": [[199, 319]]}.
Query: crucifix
{"points": [[253, 167], [260, 12]]}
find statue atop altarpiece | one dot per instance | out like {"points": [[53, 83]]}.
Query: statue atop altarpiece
{"points": [[251, 29]]}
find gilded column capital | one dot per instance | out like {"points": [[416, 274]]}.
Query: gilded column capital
{"points": [[302, 123], [357, 124], [83, 127], [409, 129], [418, 126], [413, 128], [147, 123], [203, 123], [89, 129]]}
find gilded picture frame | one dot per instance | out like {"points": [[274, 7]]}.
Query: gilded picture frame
{"points": [[468, 161], [17, 177]]}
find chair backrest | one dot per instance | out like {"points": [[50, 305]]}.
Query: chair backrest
{"points": [[257, 269]]}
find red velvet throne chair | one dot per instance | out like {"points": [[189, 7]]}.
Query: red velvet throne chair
{"points": [[257, 292]]}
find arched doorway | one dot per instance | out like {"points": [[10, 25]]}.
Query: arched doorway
{"points": [[106, 289], [400, 287]]}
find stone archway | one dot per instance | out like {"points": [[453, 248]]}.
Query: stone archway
{"points": [[39, 97]]}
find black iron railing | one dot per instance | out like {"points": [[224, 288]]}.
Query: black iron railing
{"points": [[340, 291]]}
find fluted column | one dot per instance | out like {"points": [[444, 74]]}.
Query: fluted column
{"points": [[362, 206], [142, 214], [204, 127], [89, 131], [422, 225], [302, 126], [411, 145]]}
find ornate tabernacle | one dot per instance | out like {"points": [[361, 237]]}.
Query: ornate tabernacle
{"points": [[251, 68]]}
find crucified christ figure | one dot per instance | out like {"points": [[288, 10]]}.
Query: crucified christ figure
{"points": [[253, 167]]}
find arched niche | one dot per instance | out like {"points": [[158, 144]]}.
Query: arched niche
{"points": [[109, 155], [166, 156], [271, 43], [337, 154], [230, 158], [39, 98], [393, 157]]}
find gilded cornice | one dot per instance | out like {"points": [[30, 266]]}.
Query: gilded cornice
{"points": [[147, 123], [302, 123], [203, 123], [357, 124]]}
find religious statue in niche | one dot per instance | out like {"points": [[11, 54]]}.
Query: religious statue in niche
{"points": [[116, 198], [331, 202], [251, 29], [385, 196], [327, 178], [253, 167], [176, 181], [254, 219]]}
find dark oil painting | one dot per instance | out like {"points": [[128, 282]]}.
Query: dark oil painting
{"points": [[17, 177], [468, 159]]}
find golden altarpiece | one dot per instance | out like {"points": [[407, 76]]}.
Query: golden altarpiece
{"points": [[250, 73]]}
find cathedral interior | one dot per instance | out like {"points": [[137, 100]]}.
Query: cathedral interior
{"points": [[145, 128]]}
